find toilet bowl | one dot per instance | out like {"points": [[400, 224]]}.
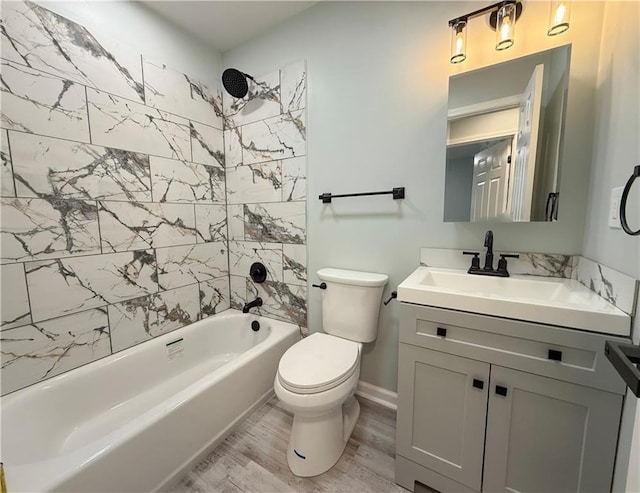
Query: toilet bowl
{"points": [[316, 381], [317, 377]]}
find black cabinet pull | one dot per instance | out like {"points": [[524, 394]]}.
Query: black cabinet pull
{"points": [[441, 331], [555, 355], [322, 285], [500, 390], [478, 384]]}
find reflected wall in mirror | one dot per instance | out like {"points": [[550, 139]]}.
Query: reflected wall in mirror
{"points": [[504, 138]]}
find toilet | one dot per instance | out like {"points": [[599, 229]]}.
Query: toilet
{"points": [[317, 376]]}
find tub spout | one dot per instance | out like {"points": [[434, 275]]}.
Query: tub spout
{"points": [[251, 304]]}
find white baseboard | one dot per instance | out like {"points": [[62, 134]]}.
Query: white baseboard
{"points": [[385, 397]]}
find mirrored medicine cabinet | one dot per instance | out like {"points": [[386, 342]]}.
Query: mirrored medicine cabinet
{"points": [[505, 126]]}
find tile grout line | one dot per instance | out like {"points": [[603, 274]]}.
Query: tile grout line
{"points": [[66, 139], [86, 102]]}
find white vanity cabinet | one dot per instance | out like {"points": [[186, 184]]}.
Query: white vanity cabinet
{"points": [[490, 404]]}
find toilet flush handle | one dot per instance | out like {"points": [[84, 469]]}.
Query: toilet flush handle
{"points": [[394, 295], [322, 285]]}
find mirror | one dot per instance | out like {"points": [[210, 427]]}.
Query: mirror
{"points": [[504, 139]]}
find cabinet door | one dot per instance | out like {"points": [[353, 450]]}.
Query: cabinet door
{"points": [[548, 436], [441, 414]]}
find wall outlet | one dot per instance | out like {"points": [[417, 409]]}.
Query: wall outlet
{"points": [[614, 208]]}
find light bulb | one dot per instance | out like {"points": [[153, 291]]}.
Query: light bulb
{"points": [[558, 17], [505, 26], [458, 42]]}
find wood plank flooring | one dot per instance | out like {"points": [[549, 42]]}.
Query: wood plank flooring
{"points": [[253, 458]]}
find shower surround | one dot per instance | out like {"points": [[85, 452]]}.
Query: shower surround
{"points": [[114, 198]]}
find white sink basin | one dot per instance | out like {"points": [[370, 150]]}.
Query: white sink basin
{"points": [[554, 301]]}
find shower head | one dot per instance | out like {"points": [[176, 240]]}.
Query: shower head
{"points": [[235, 82]]}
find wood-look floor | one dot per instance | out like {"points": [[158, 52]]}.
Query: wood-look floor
{"points": [[253, 458]]}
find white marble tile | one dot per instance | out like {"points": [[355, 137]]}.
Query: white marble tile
{"points": [[294, 179], [183, 265], [175, 92], [207, 144], [276, 138], [235, 218], [294, 262], [238, 287], [183, 181], [262, 101], [14, 300], [540, 264], [117, 122], [281, 301], [138, 225], [66, 169], [244, 253], [43, 40], [176, 308], [131, 322], [211, 223], [39, 103], [283, 222], [617, 288], [531, 264], [63, 286], [32, 353], [214, 296], [34, 229], [7, 188], [293, 87], [261, 182], [233, 147]]}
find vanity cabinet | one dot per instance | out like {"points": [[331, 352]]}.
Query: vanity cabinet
{"points": [[490, 404]]}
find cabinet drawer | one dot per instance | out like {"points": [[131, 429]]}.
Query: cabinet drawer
{"points": [[564, 354]]}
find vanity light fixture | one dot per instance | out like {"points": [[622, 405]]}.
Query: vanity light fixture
{"points": [[558, 17], [503, 16], [459, 41]]}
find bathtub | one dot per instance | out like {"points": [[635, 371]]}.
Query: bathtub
{"points": [[139, 419]]}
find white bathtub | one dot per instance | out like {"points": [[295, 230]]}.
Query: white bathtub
{"points": [[137, 420]]}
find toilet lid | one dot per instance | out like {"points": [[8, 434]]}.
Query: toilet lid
{"points": [[317, 363]]}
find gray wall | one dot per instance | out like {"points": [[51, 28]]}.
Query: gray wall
{"points": [[378, 77], [616, 148]]}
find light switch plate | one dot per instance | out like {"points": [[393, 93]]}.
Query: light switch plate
{"points": [[614, 207]]}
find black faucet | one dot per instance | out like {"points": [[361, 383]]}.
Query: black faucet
{"points": [[487, 270], [251, 304], [488, 242]]}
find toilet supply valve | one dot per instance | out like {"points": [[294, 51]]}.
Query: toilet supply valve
{"points": [[394, 295]]}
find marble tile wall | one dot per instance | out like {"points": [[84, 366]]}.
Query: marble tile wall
{"points": [[113, 225], [265, 159]]}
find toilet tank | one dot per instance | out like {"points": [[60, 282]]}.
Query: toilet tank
{"points": [[351, 303]]}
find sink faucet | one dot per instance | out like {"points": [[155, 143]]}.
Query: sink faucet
{"points": [[251, 304], [487, 270], [488, 242]]}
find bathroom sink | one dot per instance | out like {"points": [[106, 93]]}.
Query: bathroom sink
{"points": [[554, 301]]}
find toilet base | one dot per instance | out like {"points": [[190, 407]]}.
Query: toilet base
{"points": [[317, 441]]}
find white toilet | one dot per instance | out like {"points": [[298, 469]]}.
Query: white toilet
{"points": [[317, 376]]}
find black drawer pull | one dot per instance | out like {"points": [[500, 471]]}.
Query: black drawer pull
{"points": [[500, 390], [322, 285], [555, 355], [441, 331], [478, 384]]}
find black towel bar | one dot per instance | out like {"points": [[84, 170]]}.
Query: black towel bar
{"points": [[398, 193]]}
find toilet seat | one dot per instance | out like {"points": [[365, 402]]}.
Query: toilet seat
{"points": [[318, 363]]}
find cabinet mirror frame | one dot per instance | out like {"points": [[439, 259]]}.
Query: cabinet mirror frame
{"points": [[505, 127]]}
